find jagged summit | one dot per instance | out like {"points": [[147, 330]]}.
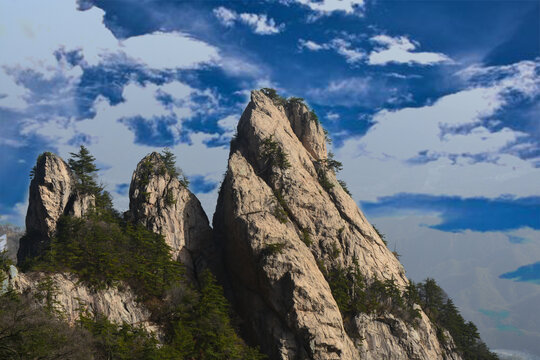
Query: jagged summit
{"points": [[53, 193], [284, 224], [161, 201]]}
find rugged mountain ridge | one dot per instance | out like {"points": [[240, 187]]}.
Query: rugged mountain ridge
{"points": [[282, 218], [282, 224]]}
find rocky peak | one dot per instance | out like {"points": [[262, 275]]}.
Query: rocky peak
{"points": [[282, 221], [162, 202], [307, 128], [53, 193]]}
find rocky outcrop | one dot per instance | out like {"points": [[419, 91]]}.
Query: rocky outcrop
{"points": [[53, 193], [281, 217], [164, 205], [70, 298]]}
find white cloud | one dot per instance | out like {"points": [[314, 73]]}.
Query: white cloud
{"points": [[400, 50], [29, 39], [461, 155], [350, 54], [327, 7], [311, 45], [225, 16], [259, 23], [342, 47]]}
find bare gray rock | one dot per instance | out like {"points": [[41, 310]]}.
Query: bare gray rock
{"points": [[53, 193], [70, 298], [276, 223], [164, 205]]}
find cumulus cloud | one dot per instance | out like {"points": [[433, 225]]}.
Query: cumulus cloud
{"points": [[259, 23], [327, 7], [446, 147], [30, 39], [311, 45], [400, 50]]}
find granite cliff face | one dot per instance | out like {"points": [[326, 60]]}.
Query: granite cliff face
{"points": [[281, 217], [53, 193], [164, 205]]}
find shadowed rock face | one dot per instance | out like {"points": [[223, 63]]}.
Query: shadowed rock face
{"points": [[274, 224], [52, 194], [164, 205]]}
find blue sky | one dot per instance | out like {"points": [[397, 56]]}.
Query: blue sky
{"points": [[433, 106]]}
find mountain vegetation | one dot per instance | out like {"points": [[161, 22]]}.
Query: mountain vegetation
{"points": [[105, 250]]}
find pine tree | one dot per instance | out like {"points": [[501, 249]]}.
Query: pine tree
{"points": [[82, 164]]}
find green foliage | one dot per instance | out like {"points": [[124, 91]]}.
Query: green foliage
{"points": [[5, 262], [46, 293], [27, 331], [281, 210], [273, 249], [83, 165], [295, 100], [334, 254], [104, 254], [169, 161], [445, 315], [123, 342], [313, 116], [306, 237], [343, 185], [327, 137], [323, 166], [381, 235], [354, 294], [169, 198], [273, 95], [280, 214], [197, 323], [332, 164], [273, 155]]}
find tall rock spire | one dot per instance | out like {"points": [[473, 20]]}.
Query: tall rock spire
{"points": [[282, 221], [163, 203], [53, 193]]}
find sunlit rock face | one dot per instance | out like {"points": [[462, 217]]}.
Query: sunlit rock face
{"points": [[53, 193], [164, 205], [277, 222]]}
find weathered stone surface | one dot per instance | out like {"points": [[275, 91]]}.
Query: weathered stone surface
{"points": [[271, 264], [307, 129], [389, 338], [71, 297], [52, 194], [164, 205]]}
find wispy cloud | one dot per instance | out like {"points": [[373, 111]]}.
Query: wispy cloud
{"points": [[400, 50], [259, 23], [328, 7], [352, 55]]}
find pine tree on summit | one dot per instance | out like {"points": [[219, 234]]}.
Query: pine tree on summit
{"points": [[82, 164]]}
